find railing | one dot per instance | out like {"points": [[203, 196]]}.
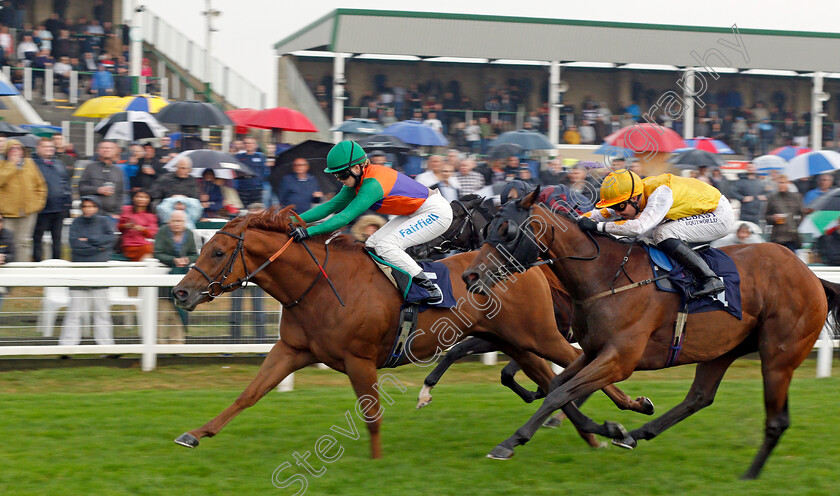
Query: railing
{"points": [[234, 87]]}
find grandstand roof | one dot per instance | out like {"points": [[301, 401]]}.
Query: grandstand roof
{"points": [[425, 34]]}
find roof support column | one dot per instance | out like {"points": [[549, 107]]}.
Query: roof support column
{"points": [[817, 99], [688, 102], [554, 102], [338, 94]]}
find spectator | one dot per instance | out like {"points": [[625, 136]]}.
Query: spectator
{"points": [[190, 206], [744, 235], [571, 136], [366, 226], [6, 41], [91, 240], [179, 182], [472, 135], [524, 175], [138, 226], [251, 189], [103, 82], [300, 188], [587, 133], [469, 180], [26, 51], [433, 122], [430, 176], [175, 248], [784, 213], [58, 201], [62, 70], [210, 195], [23, 193], [64, 153], [440, 175], [825, 183], [494, 172], [7, 252], [751, 192], [104, 180], [63, 46], [582, 194], [554, 174], [46, 38], [149, 170], [236, 317]]}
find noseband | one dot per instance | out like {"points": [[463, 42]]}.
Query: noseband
{"points": [[216, 282]]}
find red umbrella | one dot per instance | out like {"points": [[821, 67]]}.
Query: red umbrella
{"points": [[646, 138], [240, 116], [281, 118]]}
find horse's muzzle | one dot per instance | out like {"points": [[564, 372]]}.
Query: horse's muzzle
{"points": [[476, 282], [184, 298]]}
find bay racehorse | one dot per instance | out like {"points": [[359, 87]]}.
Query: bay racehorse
{"points": [[358, 337], [783, 314]]}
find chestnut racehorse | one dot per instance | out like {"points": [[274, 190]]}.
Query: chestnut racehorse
{"points": [[783, 314], [358, 338]]}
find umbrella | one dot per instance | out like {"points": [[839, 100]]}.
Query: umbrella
{"points": [[528, 140], [7, 90], [646, 138], [99, 107], [359, 126], [769, 162], [29, 140], [193, 113], [692, 158], [223, 164], [384, 142], [415, 133], [145, 103], [614, 151], [11, 129], [131, 125], [710, 145], [811, 164], [818, 222], [315, 152], [282, 118], [505, 150], [41, 130], [828, 201], [240, 117], [788, 152]]}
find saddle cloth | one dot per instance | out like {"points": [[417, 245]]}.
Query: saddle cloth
{"points": [[437, 272], [680, 281]]}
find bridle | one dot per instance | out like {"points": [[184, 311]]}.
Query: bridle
{"points": [[239, 251], [446, 245]]}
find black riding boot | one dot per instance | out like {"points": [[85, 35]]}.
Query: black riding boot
{"points": [[709, 282], [435, 296]]}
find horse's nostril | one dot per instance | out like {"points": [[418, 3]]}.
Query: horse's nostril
{"points": [[180, 294]]}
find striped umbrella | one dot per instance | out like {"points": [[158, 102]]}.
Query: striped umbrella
{"points": [[709, 145], [144, 103], [788, 152], [769, 162], [132, 125], [813, 163]]}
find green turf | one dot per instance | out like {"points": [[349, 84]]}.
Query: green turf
{"points": [[97, 430]]}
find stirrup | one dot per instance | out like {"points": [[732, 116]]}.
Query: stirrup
{"points": [[711, 287]]}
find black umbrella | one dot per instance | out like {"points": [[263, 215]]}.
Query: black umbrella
{"points": [[315, 152], [211, 159], [692, 159], [131, 125], [828, 201], [385, 143], [193, 113], [528, 140], [12, 130], [29, 140], [505, 150]]}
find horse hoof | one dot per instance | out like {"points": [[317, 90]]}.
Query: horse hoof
{"points": [[500, 453], [187, 439], [647, 406], [626, 443], [552, 423], [615, 430], [423, 401]]}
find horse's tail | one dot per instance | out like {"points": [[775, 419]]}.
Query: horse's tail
{"points": [[832, 293]]}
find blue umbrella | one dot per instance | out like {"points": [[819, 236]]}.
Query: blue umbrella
{"points": [[528, 140], [615, 151], [811, 164], [38, 129], [359, 126], [415, 133], [769, 162], [7, 90]]}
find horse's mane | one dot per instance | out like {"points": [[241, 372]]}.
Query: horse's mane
{"points": [[281, 220]]}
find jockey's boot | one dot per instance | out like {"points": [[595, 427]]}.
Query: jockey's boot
{"points": [[710, 284], [435, 295]]}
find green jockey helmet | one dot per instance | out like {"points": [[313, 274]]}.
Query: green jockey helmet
{"points": [[343, 156]]}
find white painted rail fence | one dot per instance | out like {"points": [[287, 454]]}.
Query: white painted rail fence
{"points": [[149, 276]]}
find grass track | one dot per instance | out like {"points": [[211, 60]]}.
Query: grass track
{"points": [[97, 430]]}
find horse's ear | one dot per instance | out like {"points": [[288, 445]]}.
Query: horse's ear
{"points": [[529, 199]]}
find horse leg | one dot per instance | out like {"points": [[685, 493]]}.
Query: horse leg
{"points": [[281, 361], [707, 379], [600, 372], [508, 373], [362, 374], [467, 347]]}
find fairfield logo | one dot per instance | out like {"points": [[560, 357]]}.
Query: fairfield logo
{"points": [[420, 224]]}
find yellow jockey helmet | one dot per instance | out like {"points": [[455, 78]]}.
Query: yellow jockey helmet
{"points": [[619, 186]]}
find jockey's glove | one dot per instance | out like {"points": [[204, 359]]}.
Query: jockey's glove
{"points": [[587, 224], [299, 234]]}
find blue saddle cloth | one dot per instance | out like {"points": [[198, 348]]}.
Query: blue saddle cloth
{"points": [[722, 265], [435, 271]]}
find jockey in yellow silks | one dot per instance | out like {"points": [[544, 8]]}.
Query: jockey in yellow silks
{"points": [[668, 209]]}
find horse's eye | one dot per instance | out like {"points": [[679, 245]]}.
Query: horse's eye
{"points": [[218, 253]]}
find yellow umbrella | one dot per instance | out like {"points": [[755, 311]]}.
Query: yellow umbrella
{"points": [[99, 107], [145, 103]]}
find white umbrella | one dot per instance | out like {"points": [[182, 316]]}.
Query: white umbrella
{"points": [[811, 164], [223, 165], [769, 162], [131, 125]]}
